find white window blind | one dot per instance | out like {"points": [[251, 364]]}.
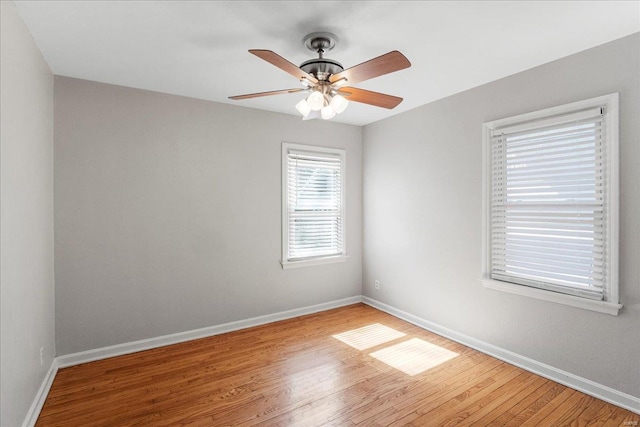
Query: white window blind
{"points": [[314, 204], [548, 204]]}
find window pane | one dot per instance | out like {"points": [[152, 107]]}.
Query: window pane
{"points": [[315, 237], [548, 209], [314, 204]]}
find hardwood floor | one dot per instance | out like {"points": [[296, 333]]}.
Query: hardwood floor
{"points": [[296, 373]]}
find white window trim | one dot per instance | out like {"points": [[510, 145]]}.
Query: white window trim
{"points": [[286, 146], [611, 305], [315, 261]]}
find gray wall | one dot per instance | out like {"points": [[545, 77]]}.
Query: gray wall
{"points": [[26, 217], [422, 221], [167, 214]]}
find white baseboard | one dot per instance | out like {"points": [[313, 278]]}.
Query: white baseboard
{"points": [[146, 344], [584, 385], [41, 396]]}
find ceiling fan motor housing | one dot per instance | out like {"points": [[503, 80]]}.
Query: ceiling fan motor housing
{"points": [[321, 68]]}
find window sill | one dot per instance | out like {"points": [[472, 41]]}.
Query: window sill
{"points": [[311, 262], [587, 304]]}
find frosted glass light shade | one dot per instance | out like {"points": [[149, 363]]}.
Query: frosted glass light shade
{"points": [[315, 101], [339, 103], [328, 112], [312, 115], [303, 107]]}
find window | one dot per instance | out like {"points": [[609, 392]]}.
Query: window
{"points": [[313, 205], [551, 204]]}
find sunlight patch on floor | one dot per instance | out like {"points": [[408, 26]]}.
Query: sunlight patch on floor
{"points": [[413, 356], [369, 336]]}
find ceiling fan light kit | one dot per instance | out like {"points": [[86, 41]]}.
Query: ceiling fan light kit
{"points": [[329, 104], [325, 79]]}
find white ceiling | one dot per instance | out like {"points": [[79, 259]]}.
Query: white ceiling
{"points": [[199, 48]]}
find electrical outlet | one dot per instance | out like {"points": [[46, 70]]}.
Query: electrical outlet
{"points": [[41, 356], [377, 284]]}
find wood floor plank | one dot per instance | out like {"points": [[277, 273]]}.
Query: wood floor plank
{"points": [[595, 415], [295, 372], [455, 410], [569, 410], [390, 397], [433, 396], [508, 392], [621, 417], [501, 414], [467, 384]]}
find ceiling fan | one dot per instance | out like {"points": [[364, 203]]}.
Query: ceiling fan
{"points": [[328, 83]]}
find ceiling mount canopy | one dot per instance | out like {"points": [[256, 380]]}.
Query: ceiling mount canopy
{"points": [[326, 79], [320, 43]]}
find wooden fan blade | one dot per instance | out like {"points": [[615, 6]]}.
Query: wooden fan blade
{"points": [[259, 94], [368, 97], [283, 64], [385, 64]]}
